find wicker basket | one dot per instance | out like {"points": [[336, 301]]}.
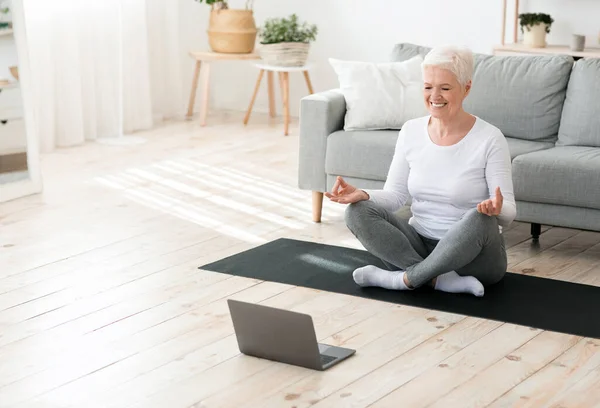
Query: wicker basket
{"points": [[232, 31], [285, 54]]}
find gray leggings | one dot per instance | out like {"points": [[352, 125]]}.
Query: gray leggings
{"points": [[471, 247]]}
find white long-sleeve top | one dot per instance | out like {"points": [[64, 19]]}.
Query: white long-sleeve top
{"points": [[445, 182]]}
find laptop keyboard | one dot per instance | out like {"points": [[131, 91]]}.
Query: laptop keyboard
{"points": [[326, 359]]}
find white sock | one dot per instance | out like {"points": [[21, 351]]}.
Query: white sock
{"points": [[454, 283], [371, 275]]}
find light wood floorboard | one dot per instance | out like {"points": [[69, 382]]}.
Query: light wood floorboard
{"points": [[102, 303]]}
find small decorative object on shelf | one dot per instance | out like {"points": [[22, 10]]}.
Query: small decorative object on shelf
{"points": [[577, 42], [231, 31], [285, 42], [534, 27]]}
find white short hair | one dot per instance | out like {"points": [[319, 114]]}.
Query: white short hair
{"points": [[458, 60]]}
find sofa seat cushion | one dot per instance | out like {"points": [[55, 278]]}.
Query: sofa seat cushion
{"points": [[518, 147], [564, 175], [580, 122], [361, 154]]}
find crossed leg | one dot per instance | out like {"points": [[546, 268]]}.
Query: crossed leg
{"points": [[470, 255]]}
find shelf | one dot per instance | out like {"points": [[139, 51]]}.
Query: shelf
{"points": [[6, 31], [10, 85], [509, 49]]}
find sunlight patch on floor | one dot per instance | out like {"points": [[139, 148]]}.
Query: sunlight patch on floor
{"points": [[321, 262], [216, 193], [216, 199], [177, 208], [251, 190]]}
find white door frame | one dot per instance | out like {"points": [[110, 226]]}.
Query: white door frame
{"points": [[33, 184]]}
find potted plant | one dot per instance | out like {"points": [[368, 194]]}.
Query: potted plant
{"points": [[534, 27], [231, 31], [286, 41]]}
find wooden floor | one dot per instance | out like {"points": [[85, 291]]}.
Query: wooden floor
{"points": [[102, 304]]}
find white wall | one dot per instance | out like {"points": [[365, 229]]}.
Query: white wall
{"points": [[367, 31], [8, 56]]}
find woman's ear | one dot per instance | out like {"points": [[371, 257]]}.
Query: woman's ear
{"points": [[468, 88]]}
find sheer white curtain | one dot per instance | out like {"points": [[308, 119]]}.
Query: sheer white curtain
{"points": [[94, 77]]}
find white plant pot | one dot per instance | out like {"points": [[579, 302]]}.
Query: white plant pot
{"points": [[535, 36], [285, 54]]}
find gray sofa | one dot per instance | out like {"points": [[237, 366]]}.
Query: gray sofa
{"points": [[548, 107]]}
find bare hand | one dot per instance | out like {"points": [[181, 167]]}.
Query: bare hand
{"points": [[345, 193], [492, 206]]}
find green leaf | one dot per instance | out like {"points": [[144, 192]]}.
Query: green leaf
{"points": [[276, 30], [530, 19], [211, 2]]}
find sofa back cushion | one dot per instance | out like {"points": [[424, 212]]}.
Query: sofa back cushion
{"points": [[405, 51], [580, 123], [521, 95]]}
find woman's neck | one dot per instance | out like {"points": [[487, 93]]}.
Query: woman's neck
{"points": [[450, 127]]}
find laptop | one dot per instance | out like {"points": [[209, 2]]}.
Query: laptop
{"points": [[282, 335]]}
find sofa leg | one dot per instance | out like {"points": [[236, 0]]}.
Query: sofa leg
{"points": [[317, 205], [536, 230]]}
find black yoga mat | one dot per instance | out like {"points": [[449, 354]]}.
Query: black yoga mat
{"points": [[542, 303]]}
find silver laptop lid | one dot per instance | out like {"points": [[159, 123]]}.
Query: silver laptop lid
{"points": [[275, 334]]}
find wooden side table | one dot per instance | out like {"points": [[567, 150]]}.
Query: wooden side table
{"points": [[203, 58], [284, 82]]}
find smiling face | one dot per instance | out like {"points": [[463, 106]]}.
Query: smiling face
{"points": [[443, 93]]}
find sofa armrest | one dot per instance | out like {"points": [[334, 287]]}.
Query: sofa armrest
{"points": [[320, 115]]}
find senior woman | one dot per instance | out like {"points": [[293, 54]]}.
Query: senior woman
{"points": [[456, 167]]}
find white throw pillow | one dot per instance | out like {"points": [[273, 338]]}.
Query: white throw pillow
{"points": [[380, 95]]}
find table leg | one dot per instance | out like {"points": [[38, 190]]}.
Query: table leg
{"points": [[286, 102], [190, 111], [308, 84], [282, 90], [205, 94], [280, 77], [256, 88], [272, 111]]}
